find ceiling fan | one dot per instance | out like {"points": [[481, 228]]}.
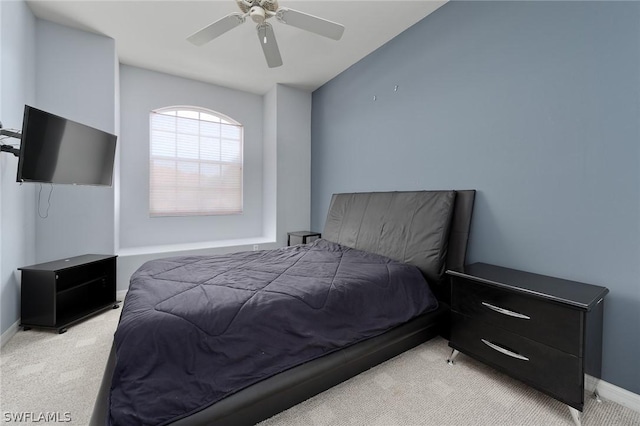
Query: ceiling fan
{"points": [[260, 11]]}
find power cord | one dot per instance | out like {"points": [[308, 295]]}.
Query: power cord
{"points": [[46, 215]]}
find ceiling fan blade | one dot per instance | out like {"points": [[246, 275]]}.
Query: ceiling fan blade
{"points": [[269, 45], [307, 22], [216, 29]]}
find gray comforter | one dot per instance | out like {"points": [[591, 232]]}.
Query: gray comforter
{"points": [[196, 329]]}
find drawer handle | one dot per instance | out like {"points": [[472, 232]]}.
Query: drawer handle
{"points": [[505, 311], [504, 351]]}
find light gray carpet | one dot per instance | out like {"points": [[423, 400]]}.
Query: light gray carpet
{"points": [[45, 372]]}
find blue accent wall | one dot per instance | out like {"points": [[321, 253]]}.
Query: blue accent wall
{"points": [[534, 104]]}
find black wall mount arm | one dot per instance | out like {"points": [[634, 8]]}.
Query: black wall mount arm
{"points": [[8, 148]]}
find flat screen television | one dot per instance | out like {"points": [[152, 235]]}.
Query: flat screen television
{"points": [[56, 150]]}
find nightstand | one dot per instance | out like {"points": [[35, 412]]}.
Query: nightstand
{"points": [[544, 331], [304, 235]]}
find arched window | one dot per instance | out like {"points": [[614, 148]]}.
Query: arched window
{"points": [[195, 162]]}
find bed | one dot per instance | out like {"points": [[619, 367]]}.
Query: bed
{"points": [[319, 314]]}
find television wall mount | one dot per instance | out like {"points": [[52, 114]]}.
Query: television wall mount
{"points": [[12, 134]]}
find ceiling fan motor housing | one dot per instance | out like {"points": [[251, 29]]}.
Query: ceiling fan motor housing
{"points": [[246, 5]]}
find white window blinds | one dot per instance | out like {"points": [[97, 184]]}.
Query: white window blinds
{"points": [[195, 163]]}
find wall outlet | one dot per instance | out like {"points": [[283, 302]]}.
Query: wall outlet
{"points": [[255, 247]]}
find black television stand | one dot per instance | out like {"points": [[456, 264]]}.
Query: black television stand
{"points": [[58, 294]]}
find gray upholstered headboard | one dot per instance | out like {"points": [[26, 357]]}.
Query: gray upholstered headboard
{"points": [[428, 229]]}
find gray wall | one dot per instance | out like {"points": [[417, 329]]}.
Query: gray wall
{"points": [[291, 133], [284, 152], [70, 73], [534, 104], [270, 163], [76, 78], [143, 91], [17, 202]]}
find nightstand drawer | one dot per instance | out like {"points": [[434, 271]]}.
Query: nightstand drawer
{"points": [[541, 320], [550, 370]]}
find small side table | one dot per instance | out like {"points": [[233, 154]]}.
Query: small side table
{"points": [[305, 235]]}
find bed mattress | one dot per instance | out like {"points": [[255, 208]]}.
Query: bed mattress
{"points": [[196, 329]]}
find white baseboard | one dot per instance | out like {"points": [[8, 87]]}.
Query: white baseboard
{"points": [[613, 393], [9, 333], [120, 295], [590, 383]]}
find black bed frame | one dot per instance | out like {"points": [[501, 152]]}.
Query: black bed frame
{"points": [[284, 390]]}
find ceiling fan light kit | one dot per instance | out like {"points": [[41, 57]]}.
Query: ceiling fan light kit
{"points": [[258, 14], [259, 11]]}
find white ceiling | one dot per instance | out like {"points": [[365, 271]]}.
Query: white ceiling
{"points": [[152, 34]]}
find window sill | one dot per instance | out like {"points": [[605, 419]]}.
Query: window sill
{"points": [[172, 248]]}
